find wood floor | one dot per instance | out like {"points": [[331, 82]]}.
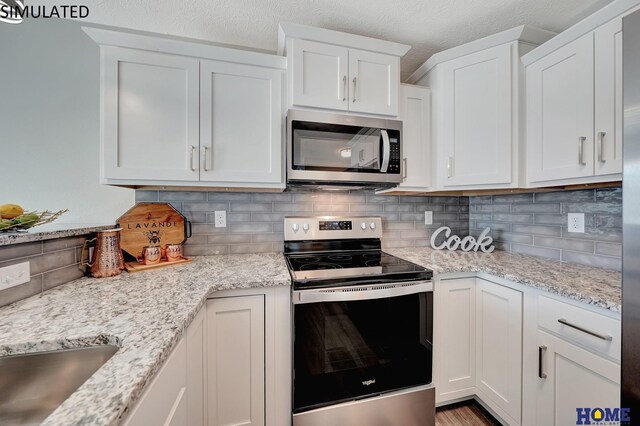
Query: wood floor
{"points": [[468, 413]]}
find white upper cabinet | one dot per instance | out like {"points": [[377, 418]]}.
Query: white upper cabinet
{"points": [[340, 71], [320, 74], [150, 115], [608, 98], [240, 123], [187, 114], [475, 139], [477, 110], [560, 113]]}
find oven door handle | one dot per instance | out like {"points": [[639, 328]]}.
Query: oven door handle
{"points": [[365, 292], [386, 151]]}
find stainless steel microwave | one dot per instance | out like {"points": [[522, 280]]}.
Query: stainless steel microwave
{"points": [[338, 150]]}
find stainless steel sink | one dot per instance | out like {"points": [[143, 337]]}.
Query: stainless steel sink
{"points": [[33, 385]]}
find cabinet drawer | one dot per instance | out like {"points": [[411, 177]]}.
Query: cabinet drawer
{"points": [[592, 330]]}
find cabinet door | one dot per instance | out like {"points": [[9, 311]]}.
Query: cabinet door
{"points": [[573, 378], [560, 113], [235, 376], [240, 123], [374, 82], [415, 113], [455, 345], [476, 119], [499, 347], [196, 368], [150, 116], [608, 98], [319, 74]]}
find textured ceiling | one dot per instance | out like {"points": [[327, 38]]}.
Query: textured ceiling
{"points": [[428, 25]]}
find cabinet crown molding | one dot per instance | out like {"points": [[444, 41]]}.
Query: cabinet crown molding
{"points": [[523, 33], [307, 32], [184, 47], [590, 23]]}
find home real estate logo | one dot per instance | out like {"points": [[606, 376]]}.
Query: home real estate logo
{"points": [[603, 416], [15, 11]]}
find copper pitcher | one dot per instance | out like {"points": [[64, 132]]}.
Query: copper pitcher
{"points": [[106, 260]]}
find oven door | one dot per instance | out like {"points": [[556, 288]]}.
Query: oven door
{"points": [[357, 341], [340, 148]]}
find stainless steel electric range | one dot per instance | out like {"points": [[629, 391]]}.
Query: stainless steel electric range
{"points": [[363, 326]]}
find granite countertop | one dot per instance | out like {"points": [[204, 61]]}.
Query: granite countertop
{"points": [[51, 231], [144, 314], [595, 286]]}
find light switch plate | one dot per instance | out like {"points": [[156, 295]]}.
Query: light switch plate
{"points": [[428, 218], [11, 276], [576, 222], [221, 218]]}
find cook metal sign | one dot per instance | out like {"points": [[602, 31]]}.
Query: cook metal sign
{"points": [[469, 243]]}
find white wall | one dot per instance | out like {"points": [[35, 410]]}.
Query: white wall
{"points": [[50, 124]]}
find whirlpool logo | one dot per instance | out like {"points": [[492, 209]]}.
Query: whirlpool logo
{"points": [[603, 416], [15, 11], [368, 382]]}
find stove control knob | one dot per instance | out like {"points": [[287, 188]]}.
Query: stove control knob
{"points": [[372, 225], [363, 226], [305, 227], [295, 227]]}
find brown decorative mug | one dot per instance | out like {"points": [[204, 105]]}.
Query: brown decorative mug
{"points": [[151, 255], [173, 252]]}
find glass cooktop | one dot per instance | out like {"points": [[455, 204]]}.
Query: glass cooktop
{"points": [[348, 267]]}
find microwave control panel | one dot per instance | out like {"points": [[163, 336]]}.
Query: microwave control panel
{"points": [[394, 156]]}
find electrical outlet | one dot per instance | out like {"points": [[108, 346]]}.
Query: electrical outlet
{"points": [[14, 275], [428, 218], [576, 222], [221, 218]]}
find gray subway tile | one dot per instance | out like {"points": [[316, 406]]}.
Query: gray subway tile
{"points": [[250, 227], [387, 199], [251, 207], [549, 253], [48, 261], [146, 196], [415, 234], [608, 221], [431, 207], [330, 208], [412, 199], [182, 196], [20, 250], [365, 208], [614, 263], [293, 208], [193, 217], [481, 199], [599, 234], [209, 228], [609, 194], [207, 250], [280, 197], [348, 198], [63, 243], [511, 237], [406, 217], [250, 248], [444, 199], [536, 208], [228, 196], [274, 237], [513, 218], [397, 243], [394, 226], [312, 197], [221, 239], [600, 207], [609, 249], [203, 207], [554, 231], [61, 276], [196, 239], [22, 291], [565, 244], [502, 245], [564, 196], [267, 217], [234, 217], [492, 208], [513, 198], [495, 226], [389, 216]]}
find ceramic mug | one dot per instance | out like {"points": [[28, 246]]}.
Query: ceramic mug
{"points": [[151, 255], [173, 252]]}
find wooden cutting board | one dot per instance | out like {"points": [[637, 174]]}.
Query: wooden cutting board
{"points": [[151, 224]]}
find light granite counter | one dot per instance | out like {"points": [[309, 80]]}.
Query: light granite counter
{"points": [[144, 314], [49, 232], [595, 286]]}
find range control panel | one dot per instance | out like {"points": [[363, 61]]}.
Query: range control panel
{"points": [[303, 228]]}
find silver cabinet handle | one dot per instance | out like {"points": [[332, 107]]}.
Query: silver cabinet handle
{"points": [[344, 88], [404, 168], [449, 166], [204, 158], [581, 141], [192, 148], [584, 330], [601, 136], [541, 373], [354, 89]]}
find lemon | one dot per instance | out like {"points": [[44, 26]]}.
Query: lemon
{"points": [[10, 211]]}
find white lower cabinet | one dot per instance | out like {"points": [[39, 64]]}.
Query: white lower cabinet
{"points": [[572, 378], [236, 391]]}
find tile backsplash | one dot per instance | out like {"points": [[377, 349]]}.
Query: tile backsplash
{"points": [[52, 263], [255, 220], [536, 224]]}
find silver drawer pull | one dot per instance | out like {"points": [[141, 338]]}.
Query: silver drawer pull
{"points": [[581, 141], [584, 330], [601, 136]]}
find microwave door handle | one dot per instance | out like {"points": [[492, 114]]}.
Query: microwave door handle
{"points": [[386, 151]]}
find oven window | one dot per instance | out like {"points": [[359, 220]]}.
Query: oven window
{"points": [[349, 350], [332, 147]]}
